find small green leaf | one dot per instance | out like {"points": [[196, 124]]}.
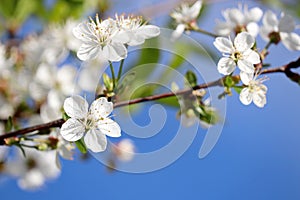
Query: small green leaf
{"points": [[238, 89], [65, 116], [81, 146], [191, 78], [9, 124], [108, 82]]}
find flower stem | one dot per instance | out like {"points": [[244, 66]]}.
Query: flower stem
{"points": [[204, 32], [112, 74], [120, 70], [264, 52]]}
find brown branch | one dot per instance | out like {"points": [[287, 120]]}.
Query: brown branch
{"points": [[57, 123]]}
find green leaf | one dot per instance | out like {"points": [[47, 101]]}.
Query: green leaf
{"points": [[191, 78], [81, 146], [231, 81], [238, 89], [9, 124]]}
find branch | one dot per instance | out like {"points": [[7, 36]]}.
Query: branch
{"points": [[286, 69]]}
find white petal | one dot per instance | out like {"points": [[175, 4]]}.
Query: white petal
{"points": [[270, 19], [109, 127], [136, 39], [245, 66], [148, 31], [121, 37], [286, 24], [226, 66], [101, 108], [76, 107], [223, 28], [195, 9], [224, 45], [72, 130], [236, 16], [265, 31], [65, 152], [243, 41], [178, 32], [291, 41], [245, 96], [246, 77], [32, 180], [115, 52], [88, 52], [252, 28], [95, 140], [254, 14], [259, 99], [251, 56]]}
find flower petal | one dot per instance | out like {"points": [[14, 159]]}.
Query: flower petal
{"points": [[252, 28], [251, 56], [286, 24], [265, 31], [291, 41], [226, 66], [245, 96], [178, 32], [148, 31], [195, 9], [259, 99], [88, 51], [95, 140], [246, 66], [76, 107], [101, 108], [72, 130], [109, 127], [115, 52], [223, 28], [224, 45], [246, 77], [236, 16], [243, 41], [270, 19], [254, 14]]}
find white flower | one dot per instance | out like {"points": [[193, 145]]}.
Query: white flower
{"points": [[93, 124], [6, 108], [124, 150], [101, 39], [34, 169], [137, 31], [185, 16], [239, 53], [280, 29], [255, 91], [238, 20]]}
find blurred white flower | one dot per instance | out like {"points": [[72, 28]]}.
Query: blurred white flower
{"points": [[185, 17], [255, 90], [101, 38], [62, 35], [3, 149], [49, 77], [137, 31], [34, 169], [124, 150], [239, 53], [92, 124], [281, 29], [6, 108], [238, 20]]}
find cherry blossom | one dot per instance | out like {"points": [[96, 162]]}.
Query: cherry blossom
{"points": [[255, 91], [281, 29], [185, 17], [237, 53], [238, 20], [90, 124]]}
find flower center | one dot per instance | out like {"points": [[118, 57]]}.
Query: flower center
{"points": [[236, 56]]}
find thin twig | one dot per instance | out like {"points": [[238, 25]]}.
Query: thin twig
{"points": [[57, 123]]}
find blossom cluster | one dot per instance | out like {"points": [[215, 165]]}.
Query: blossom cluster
{"points": [[108, 38]]}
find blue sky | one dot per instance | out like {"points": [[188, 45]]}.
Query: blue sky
{"points": [[256, 157]]}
